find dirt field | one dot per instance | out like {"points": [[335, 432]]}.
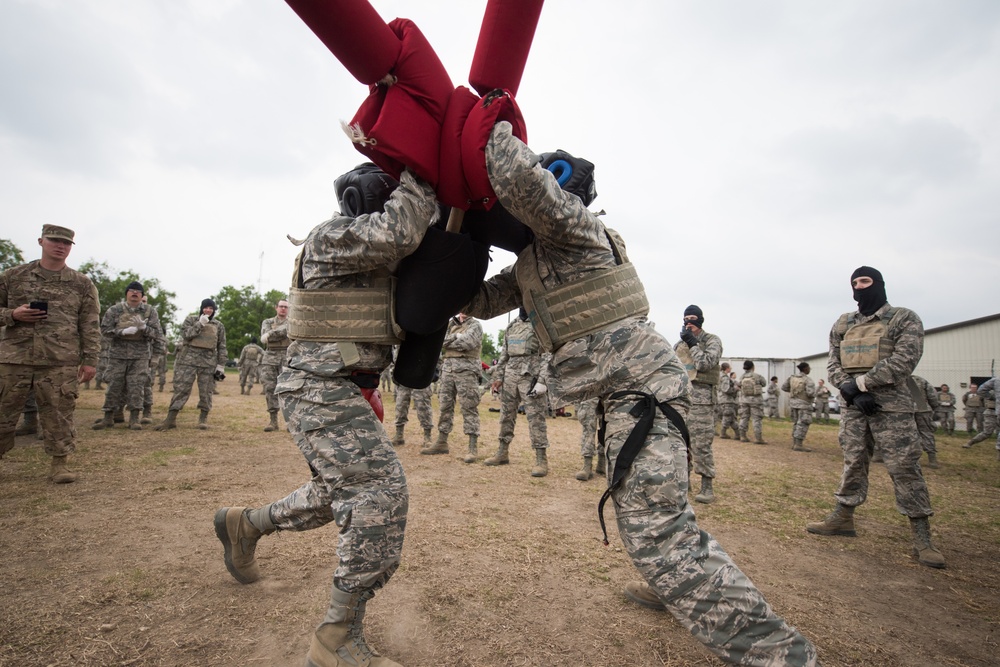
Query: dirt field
{"points": [[499, 568]]}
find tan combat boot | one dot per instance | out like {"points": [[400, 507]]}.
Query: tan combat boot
{"points": [[839, 522], [643, 593], [602, 464], [501, 458], [147, 415], [400, 438], [59, 473], [239, 540], [744, 437], [120, 415], [168, 423], [932, 460], [439, 447], [340, 641], [473, 449], [427, 437], [706, 495], [588, 469], [203, 420], [29, 425], [106, 422], [541, 468], [797, 446], [273, 426], [133, 420], [923, 551]]}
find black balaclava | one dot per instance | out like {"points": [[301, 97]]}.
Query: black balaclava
{"points": [[872, 297], [696, 311], [522, 314], [206, 303]]}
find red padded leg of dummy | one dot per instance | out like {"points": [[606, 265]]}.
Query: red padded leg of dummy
{"points": [[504, 42], [452, 189], [354, 33]]}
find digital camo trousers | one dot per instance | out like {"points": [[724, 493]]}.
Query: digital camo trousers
{"points": [[513, 393], [184, 379], [55, 389], [421, 401], [358, 482], [462, 385], [268, 374], [126, 379], [801, 418], [699, 583], [248, 374], [895, 435], [989, 428], [755, 412], [586, 412], [702, 429], [728, 417], [925, 431]]}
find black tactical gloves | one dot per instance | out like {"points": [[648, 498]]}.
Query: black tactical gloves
{"points": [[849, 390], [863, 401], [688, 337]]}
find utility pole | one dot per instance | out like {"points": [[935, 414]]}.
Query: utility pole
{"points": [[260, 273]]}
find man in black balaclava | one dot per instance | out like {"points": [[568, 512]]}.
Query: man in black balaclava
{"points": [[873, 352]]}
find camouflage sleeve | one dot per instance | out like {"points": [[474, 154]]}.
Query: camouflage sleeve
{"points": [[931, 395], [469, 339], [372, 241], [707, 353], [532, 194], [191, 327], [265, 331], [988, 385], [786, 386], [501, 365], [109, 323], [834, 370], [223, 354], [88, 324], [810, 387], [6, 309], [153, 330], [545, 368], [908, 333], [243, 355], [760, 380], [497, 295]]}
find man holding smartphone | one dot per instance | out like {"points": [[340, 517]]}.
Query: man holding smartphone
{"points": [[50, 342]]}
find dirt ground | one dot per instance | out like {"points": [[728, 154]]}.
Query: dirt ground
{"points": [[499, 568]]}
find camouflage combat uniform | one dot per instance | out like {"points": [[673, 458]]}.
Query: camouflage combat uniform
{"points": [[358, 481], [204, 349], [945, 414], [727, 391], [421, 401], [802, 391], [696, 579], [988, 393], [892, 429], [250, 358], [157, 354], [103, 361], [973, 412], [161, 367], [46, 355], [460, 375], [274, 336], [771, 402], [521, 365], [702, 365], [128, 354], [925, 402], [822, 410], [751, 404]]}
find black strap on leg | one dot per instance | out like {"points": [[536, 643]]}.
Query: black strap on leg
{"points": [[645, 412]]}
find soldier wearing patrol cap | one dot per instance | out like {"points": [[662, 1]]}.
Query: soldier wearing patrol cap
{"points": [[50, 343]]}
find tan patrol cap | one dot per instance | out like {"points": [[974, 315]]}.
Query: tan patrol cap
{"points": [[57, 232]]}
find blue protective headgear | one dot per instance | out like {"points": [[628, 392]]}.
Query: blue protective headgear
{"points": [[574, 175]]}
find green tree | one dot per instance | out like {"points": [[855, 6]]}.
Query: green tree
{"points": [[111, 290], [241, 310], [490, 349], [10, 255]]}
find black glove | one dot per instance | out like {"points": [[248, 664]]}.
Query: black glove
{"points": [[866, 403], [688, 337], [219, 376], [849, 390]]}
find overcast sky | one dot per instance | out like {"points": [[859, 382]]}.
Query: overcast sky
{"points": [[752, 154]]}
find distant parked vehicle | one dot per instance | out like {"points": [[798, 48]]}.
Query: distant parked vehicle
{"points": [[834, 405]]}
